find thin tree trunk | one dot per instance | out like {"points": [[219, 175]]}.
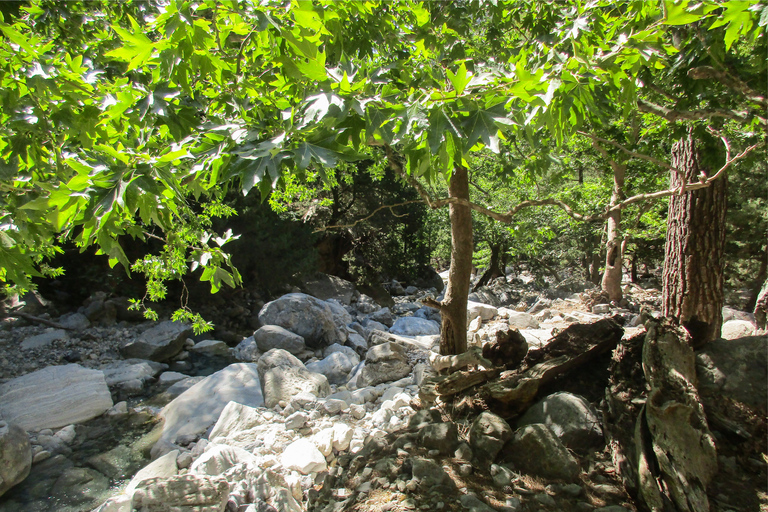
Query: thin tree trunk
{"points": [[494, 267], [762, 273], [454, 306], [694, 254], [614, 257]]}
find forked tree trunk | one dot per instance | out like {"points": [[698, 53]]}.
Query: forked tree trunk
{"points": [[694, 255], [454, 306]]}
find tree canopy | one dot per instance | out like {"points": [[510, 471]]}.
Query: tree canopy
{"points": [[135, 118]]}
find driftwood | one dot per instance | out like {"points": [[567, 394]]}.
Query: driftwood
{"points": [[37, 319], [682, 458], [472, 357], [571, 348]]}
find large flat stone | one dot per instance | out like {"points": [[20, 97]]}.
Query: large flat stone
{"points": [[55, 396], [199, 407]]}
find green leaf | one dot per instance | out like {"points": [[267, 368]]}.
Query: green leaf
{"points": [[460, 79], [305, 152], [16, 37], [482, 125], [678, 13], [439, 124]]}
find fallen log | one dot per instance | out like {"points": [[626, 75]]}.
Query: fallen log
{"points": [[682, 458], [569, 349]]}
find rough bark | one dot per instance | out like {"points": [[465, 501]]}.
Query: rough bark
{"points": [[614, 256], [454, 306], [694, 254], [683, 458]]}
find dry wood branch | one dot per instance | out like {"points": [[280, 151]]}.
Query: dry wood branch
{"points": [[473, 357], [463, 380], [374, 212], [635, 154], [694, 115], [732, 82], [37, 319], [575, 346]]}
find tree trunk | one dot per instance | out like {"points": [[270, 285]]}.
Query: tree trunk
{"points": [[614, 257], [454, 306], [694, 254], [762, 273], [494, 267]]}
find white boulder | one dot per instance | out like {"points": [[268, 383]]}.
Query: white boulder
{"points": [[55, 396]]}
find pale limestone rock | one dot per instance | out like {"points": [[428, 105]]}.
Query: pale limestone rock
{"points": [[303, 456], [55, 396]]}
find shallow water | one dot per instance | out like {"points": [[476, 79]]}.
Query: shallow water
{"points": [[106, 453]]}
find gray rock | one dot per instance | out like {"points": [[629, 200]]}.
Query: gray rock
{"points": [[427, 474], [211, 348], [158, 343], [414, 326], [734, 329], [487, 437], [274, 336], [247, 350], [43, 340], [735, 368], [324, 286], [336, 365], [282, 376], [233, 419], [170, 378], [536, 450], [357, 343], [181, 386], [522, 320], [303, 456], [75, 321], [735, 314], [484, 311], [601, 309], [53, 397], [341, 316], [383, 316], [307, 316], [162, 467], [384, 363], [474, 504], [15, 456], [443, 437], [119, 372], [182, 493], [571, 417], [199, 407], [219, 458]]}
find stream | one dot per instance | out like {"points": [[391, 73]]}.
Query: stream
{"points": [[103, 457]]}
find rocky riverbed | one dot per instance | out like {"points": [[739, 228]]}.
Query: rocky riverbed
{"points": [[320, 409]]}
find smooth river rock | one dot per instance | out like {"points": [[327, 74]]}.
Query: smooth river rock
{"points": [[192, 412], [55, 396], [15, 456]]}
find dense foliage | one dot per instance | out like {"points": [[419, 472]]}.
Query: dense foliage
{"points": [[135, 119]]}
